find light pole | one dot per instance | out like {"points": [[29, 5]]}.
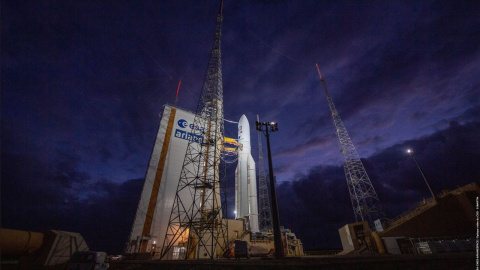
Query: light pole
{"points": [[277, 237], [410, 152]]}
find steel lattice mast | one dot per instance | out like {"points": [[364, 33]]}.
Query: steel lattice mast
{"points": [[365, 202], [264, 210], [197, 218]]}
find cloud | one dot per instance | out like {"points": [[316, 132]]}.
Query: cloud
{"points": [[65, 199], [46, 194], [306, 147]]}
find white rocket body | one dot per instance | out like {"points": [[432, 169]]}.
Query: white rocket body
{"points": [[245, 178]]}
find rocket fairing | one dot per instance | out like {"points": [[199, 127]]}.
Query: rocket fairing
{"points": [[245, 178]]}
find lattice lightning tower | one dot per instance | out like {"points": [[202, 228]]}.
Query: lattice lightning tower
{"points": [[264, 210], [366, 205], [197, 219]]}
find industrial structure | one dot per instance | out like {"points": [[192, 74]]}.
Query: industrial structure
{"points": [[264, 210], [36, 250], [245, 179], [182, 210], [365, 202], [197, 221], [451, 213], [161, 180], [270, 127], [445, 223]]}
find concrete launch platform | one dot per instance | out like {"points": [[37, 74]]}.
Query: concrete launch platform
{"points": [[431, 261]]}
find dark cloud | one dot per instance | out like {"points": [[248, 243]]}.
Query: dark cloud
{"points": [[315, 205], [53, 193], [36, 198], [471, 114], [435, 43], [304, 147]]}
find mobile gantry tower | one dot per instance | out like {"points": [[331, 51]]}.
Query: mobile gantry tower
{"points": [[198, 218]]}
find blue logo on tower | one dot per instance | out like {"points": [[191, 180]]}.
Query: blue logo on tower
{"points": [[182, 123]]}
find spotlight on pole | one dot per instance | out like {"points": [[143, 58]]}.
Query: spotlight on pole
{"points": [[411, 153], [277, 237]]}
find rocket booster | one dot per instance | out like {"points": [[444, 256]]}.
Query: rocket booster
{"points": [[245, 178]]}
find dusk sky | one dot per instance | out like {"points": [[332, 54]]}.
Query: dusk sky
{"points": [[83, 84]]}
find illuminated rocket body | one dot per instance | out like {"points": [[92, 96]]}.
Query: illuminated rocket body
{"points": [[245, 178]]}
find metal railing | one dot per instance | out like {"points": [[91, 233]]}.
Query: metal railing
{"points": [[427, 204]]}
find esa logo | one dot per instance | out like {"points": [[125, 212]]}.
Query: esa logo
{"points": [[183, 124]]}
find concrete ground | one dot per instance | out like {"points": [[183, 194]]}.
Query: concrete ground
{"points": [[433, 261]]}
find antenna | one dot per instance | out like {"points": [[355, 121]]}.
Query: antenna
{"points": [[365, 202], [176, 95]]}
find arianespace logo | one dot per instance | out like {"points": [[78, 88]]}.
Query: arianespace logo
{"points": [[182, 134], [188, 136]]}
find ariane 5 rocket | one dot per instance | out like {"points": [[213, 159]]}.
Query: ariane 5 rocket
{"points": [[245, 178]]}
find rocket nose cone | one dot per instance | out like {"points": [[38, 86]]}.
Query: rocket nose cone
{"points": [[243, 121], [243, 118], [244, 131]]}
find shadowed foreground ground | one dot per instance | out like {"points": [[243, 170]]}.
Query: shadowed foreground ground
{"points": [[449, 261], [433, 261]]}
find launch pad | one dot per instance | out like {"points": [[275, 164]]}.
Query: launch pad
{"points": [[182, 213]]}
